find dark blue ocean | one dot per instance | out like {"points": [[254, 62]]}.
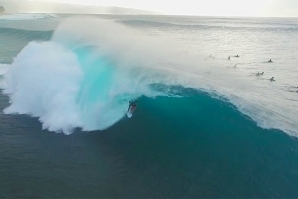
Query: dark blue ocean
{"points": [[207, 123]]}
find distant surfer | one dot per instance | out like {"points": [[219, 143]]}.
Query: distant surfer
{"points": [[237, 56], [260, 74], [272, 79], [229, 58], [294, 91], [270, 61]]}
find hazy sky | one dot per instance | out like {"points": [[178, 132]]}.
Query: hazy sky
{"points": [[271, 8]]}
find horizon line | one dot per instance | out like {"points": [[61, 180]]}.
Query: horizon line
{"points": [[159, 14]]}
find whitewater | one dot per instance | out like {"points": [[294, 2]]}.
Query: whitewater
{"points": [[86, 74]]}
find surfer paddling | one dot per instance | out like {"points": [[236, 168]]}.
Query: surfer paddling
{"points": [[272, 79], [260, 74]]}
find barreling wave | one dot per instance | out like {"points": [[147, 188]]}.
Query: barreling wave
{"points": [[79, 78], [87, 73]]}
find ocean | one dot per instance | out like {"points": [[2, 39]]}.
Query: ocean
{"points": [[209, 122]]}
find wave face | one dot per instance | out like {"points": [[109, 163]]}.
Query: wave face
{"points": [[85, 77]]}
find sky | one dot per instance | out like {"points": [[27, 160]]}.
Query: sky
{"points": [[263, 8]]}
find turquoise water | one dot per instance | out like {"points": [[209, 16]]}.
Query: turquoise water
{"points": [[206, 132]]}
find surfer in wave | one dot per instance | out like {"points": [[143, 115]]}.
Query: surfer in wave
{"points": [[132, 105], [131, 108]]}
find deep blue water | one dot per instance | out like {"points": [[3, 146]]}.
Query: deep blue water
{"points": [[214, 152]]}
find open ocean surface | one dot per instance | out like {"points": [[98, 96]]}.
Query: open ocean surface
{"points": [[206, 126]]}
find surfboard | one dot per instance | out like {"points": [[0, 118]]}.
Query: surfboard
{"points": [[130, 112]]}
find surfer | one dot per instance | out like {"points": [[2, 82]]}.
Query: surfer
{"points": [[272, 79], [270, 61], [237, 56], [260, 74], [132, 106], [229, 58]]}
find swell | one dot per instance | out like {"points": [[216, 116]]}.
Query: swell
{"points": [[14, 40], [29, 35], [236, 26]]}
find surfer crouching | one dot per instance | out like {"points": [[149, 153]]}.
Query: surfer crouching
{"points": [[132, 106]]}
